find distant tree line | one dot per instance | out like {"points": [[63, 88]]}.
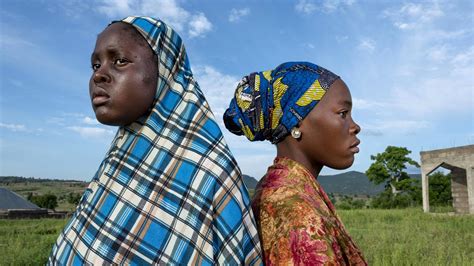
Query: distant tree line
{"points": [[50, 201], [21, 179]]}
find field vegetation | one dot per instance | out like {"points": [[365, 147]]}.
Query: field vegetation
{"points": [[387, 237]]}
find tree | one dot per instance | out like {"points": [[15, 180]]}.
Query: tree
{"points": [[73, 198], [440, 189], [389, 167], [48, 201]]}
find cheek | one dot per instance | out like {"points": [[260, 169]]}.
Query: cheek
{"points": [[91, 84]]}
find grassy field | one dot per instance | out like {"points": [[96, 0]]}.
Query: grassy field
{"points": [[60, 189], [411, 237], [387, 237]]}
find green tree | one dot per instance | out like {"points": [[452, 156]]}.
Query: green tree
{"points": [[440, 189], [73, 198], [48, 201], [389, 167]]}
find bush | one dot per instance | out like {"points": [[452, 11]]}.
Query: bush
{"points": [[73, 198], [386, 200], [48, 201], [349, 203]]}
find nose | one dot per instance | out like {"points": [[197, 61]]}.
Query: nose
{"points": [[355, 128], [101, 75]]}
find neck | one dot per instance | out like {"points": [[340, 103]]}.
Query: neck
{"points": [[287, 148]]}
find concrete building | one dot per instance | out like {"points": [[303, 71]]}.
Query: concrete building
{"points": [[13, 205], [460, 160]]}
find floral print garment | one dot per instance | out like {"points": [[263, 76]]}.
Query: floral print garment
{"points": [[297, 222]]}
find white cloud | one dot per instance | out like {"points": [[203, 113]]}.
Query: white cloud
{"points": [[117, 7], [218, 87], [362, 104], [332, 5], [367, 44], [342, 38], [89, 121], [446, 83], [167, 10], [310, 6], [305, 6], [14, 41], [441, 95], [92, 132], [393, 127], [463, 58], [438, 53], [14, 127], [199, 25], [238, 14], [410, 15]]}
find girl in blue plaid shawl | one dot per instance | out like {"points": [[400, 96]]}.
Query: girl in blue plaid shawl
{"points": [[168, 190]]}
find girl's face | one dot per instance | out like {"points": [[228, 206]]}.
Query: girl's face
{"points": [[328, 132], [123, 83]]}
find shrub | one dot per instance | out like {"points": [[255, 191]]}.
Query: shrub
{"points": [[48, 201]]}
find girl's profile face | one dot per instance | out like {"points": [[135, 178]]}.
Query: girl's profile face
{"points": [[329, 132], [123, 83]]}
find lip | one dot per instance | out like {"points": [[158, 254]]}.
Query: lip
{"points": [[354, 147], [99, 97]]}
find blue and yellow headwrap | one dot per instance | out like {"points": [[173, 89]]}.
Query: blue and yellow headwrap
{"points": [[268, 104]]}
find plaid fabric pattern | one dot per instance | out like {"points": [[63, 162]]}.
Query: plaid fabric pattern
{"points": [[169, 190]]}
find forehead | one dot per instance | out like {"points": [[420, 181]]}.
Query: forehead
{"points": [[120, 35], [338, 93]]}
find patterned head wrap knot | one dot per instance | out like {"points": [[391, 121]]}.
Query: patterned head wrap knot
{"points": [[168, 190], [268, 104]]}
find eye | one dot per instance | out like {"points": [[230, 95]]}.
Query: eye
{"points": [[343, 114], [121, 61], [95, 67]]}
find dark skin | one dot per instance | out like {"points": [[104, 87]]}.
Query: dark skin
{"points": [[124, 79], [328, 133]]}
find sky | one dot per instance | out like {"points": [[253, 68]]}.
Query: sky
{"points": [[409, 66]]}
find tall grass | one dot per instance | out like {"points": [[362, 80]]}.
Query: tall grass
{"points": [[411, 237], [387, 237], [28, 242]]}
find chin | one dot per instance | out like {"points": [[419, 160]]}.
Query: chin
{"points": [[107, 120], [342, 164]]}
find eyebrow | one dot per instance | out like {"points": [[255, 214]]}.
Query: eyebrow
{"points": [[109, 50], [346, 103]]}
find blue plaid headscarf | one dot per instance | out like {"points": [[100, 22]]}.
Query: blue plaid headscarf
{"points": [[169, 190], [268, 104]]}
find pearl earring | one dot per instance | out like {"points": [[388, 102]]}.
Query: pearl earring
{"points": [[296, 133]]}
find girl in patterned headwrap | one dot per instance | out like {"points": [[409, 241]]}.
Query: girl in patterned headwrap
{"points": [[168, 191], [306, 111]]}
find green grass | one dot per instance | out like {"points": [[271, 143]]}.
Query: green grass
{"points": [[411, 237], [387, 237], [28, 242]]}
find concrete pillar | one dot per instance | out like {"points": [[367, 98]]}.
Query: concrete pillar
{"points": [[470, 187], [459, 189], [460, 161], [425, 190]]}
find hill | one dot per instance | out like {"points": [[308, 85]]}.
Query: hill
{"points": [[349, 183], [250, 182]]}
